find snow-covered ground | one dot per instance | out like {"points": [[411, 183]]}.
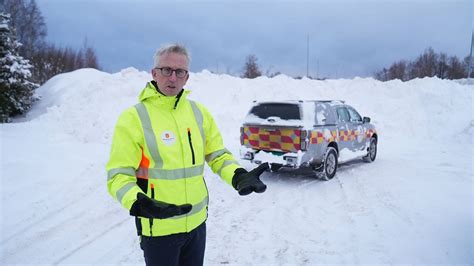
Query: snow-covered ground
{"points": [[414, 204]]}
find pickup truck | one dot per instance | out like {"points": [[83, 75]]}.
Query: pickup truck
{"points": [[312, 134]]}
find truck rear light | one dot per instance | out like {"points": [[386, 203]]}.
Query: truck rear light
{"points": [[303, 142]]}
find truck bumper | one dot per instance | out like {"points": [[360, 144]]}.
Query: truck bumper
{"points": [[290, 159]]}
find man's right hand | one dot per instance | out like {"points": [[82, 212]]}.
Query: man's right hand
{"points": [[151, 208]]}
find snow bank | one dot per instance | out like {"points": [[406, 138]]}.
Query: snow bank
{"points": [[87, 102], [412, 205]]}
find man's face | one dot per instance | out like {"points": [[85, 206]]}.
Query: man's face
{"points": [[171, 85]]}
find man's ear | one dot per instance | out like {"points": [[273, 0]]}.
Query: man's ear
{"points": [[153, 72]]}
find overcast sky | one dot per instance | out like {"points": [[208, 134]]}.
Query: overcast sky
{"points": [[347, 38]]}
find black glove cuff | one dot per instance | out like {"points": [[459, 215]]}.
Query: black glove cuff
{"points": [[237, 176], [135, 210]]}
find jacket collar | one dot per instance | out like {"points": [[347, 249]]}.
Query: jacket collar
{"points": [[151, 94]]}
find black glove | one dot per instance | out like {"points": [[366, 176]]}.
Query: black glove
{"points": [[151, 208], [247, 182]]}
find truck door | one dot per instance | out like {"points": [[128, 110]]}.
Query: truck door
{"points": [[357, 129], [343, 127]]}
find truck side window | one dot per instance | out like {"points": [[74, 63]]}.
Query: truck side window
{"points": [[355, 117], [342, 114], [322, 114]]}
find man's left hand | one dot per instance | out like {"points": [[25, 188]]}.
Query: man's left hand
{"points": [[248, 182]]}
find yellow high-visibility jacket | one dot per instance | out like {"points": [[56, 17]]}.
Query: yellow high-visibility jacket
{"points": [[159, 148]]}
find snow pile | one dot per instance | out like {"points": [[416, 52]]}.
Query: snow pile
{"points": [[412, 205], [88, 102]]}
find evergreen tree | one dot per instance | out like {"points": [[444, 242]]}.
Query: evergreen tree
{"points": [[16, 90]]}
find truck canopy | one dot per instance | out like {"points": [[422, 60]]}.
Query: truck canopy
{"points": [[300, 114]]}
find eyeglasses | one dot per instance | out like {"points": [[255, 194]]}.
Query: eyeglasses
{"points": [[168, 71]]}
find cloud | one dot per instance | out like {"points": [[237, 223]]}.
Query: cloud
{"points": [[346, 37]]}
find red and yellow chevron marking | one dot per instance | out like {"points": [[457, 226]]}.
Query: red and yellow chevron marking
{"points": [[272, 139], [317, 137], [333, 136], [369, 133], [348, 135]]}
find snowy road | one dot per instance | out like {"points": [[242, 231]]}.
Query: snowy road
{"points": [[371, 213], [414, 204], [395, 210]]}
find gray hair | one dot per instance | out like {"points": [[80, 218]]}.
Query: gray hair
{"points": [[171, 48]]}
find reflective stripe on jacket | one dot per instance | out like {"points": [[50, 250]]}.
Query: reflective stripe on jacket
{"points": [[159, 148]]}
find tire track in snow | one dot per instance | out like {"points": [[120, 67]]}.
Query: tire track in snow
{"points": [[25, 229], [325, 248], [263, 219], [294, 211], [82, 194], [367, 207], [305, 240], [354, 239], [378, 247], [30, 240], [51, 215], [90, 241]]}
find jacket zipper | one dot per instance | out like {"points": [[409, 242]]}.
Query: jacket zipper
{"points": [[153, 197], [207, 204], [191, 145]]}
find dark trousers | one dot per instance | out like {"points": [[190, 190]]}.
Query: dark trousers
{"points": [[177, 249]]}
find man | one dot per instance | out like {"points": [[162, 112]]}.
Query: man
{"points": [[157, 161]]}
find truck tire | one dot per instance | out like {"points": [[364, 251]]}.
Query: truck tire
{"points": [[329, 164], [371, 151]]}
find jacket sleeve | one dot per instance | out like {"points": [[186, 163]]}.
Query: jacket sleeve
{"points": [[221, 161], [125, 156]]}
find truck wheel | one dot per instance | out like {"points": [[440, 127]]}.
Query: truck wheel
{"points": [[371, 151], [330, 164]]}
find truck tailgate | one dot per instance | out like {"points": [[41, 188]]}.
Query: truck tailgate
{"points": [[282, 139]]}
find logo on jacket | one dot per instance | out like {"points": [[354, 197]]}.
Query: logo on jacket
{"points": [[168, 137]]}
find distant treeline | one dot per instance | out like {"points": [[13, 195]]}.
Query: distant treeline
{"points": [[428, 64]]}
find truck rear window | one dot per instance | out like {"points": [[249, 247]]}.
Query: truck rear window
{"points": [[284, 111]]}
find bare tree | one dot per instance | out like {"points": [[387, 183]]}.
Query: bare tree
{"points": [[382, 75], [424, 65], [428, 64], [52, 61], [442, 66], [251, 69], [87, 54], [79, 60], [90, 59], [28, 24], [455, 68], [398, 71]]}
